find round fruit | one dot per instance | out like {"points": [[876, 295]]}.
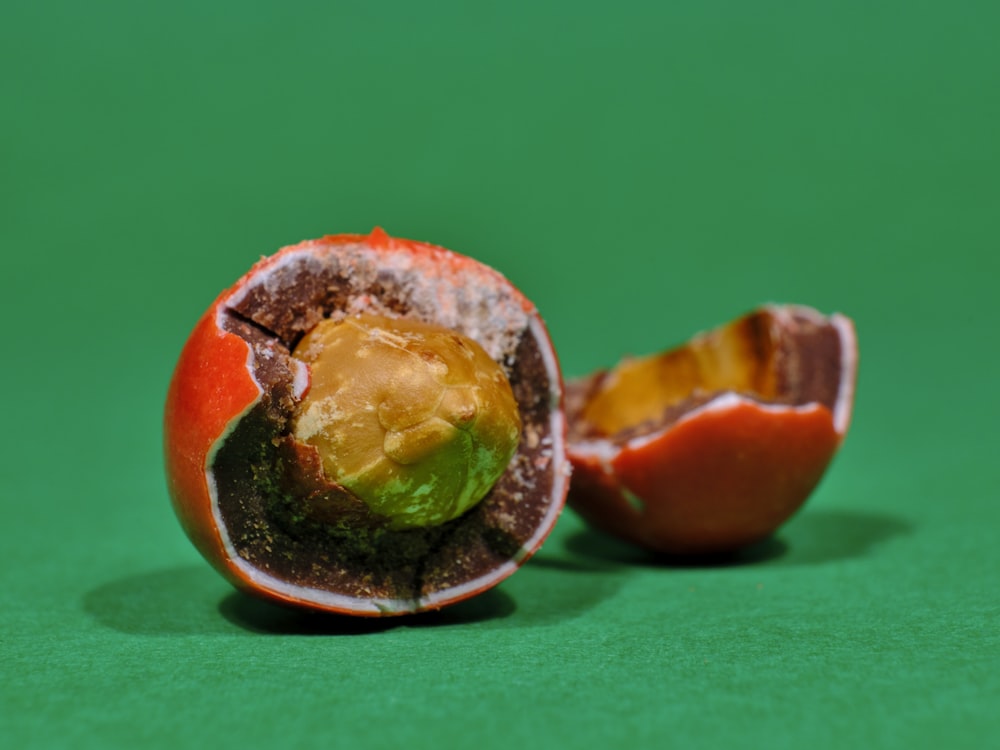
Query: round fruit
{"points": [[367, 425], [712, 446]]}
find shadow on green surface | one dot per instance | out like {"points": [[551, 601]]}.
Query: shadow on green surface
{"points": [[553, 588], [259, 616], [820, 536], [552, 591], [814, 537], [176, 601], [188, 601], [598, 550]]}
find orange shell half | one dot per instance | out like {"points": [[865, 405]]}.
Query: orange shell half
{"points": [[213, 387], [723, 475]]}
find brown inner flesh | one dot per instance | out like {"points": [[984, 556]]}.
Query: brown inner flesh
{"points": [[351, 552]]}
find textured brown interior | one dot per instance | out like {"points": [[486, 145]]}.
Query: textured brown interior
{"points": [[350, 552], [792, 358]]}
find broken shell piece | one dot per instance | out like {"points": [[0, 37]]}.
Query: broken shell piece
{"points": [[711, 446]]}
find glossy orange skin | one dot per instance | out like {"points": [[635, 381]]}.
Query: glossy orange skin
{"points": [[713, 482], [212, 387]]}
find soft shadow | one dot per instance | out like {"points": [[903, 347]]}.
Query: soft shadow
{"points": [[821, 536], [176, 601], [258, 616], [611, 552], [188, 601], [555, 589], [814, 537]]}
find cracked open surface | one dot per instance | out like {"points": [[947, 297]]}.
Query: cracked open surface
{"points": [[283, 519]]}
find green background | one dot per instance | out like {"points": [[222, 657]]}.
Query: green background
{"points": [[641, 171]]}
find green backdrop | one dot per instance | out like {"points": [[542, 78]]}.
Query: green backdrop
{"points": [[642, 171]]}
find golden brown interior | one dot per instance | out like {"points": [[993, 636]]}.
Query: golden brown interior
{"points": [[740, 356], [415, 419]]}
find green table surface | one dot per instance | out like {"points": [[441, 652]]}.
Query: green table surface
{"points": [[641, 171]]}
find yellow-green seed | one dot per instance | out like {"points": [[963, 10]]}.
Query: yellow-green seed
{"points": [[415, 419]]}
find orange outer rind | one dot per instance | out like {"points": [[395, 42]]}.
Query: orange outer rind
{"points": [[214, 386], [723, 475]]}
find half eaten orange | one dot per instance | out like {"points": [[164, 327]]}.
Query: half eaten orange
{"points": [[711, 446]]}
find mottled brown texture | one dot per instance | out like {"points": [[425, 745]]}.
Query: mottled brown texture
{"points": [[293, 528], [809, 362], [795, 352]]}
